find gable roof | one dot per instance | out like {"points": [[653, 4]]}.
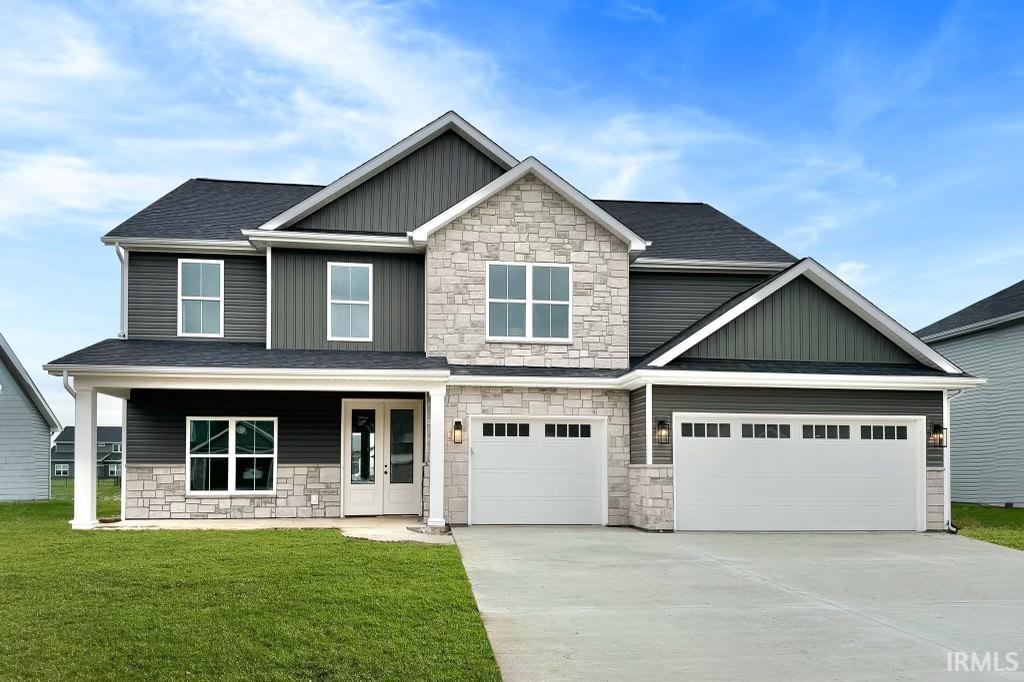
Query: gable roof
{"points": [[533, 166], [694, 231], [1001, 307], [28, 386], [391, 155], [824, 279], [104, 434], [202, 208]]}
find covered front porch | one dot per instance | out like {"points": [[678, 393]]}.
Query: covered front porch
{"points": [[267, 443]]}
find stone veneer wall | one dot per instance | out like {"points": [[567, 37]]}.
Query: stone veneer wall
{"points": [[158, 492], [935, 499], [651, 501], [527, 222], [463, 401]]}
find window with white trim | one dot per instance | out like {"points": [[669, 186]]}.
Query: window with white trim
{"points": [[61, 470], [115, 447], [231, 455], [528, 301], [112, 470], [200, 297], [349, 302]]}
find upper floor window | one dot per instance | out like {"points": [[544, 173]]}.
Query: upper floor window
{"points": [[528, 301], [349, 301], [200, 297]]}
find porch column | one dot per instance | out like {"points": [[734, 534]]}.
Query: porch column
{"points": [[435, 518], [85, 459]]}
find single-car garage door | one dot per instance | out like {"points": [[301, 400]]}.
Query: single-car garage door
{"points": [[528, 470], [791, 472]]}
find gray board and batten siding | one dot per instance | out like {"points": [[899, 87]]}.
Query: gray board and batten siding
{"points": [[299, 300], [800, 322], [24, 442], [153, 295], [410, 192]]}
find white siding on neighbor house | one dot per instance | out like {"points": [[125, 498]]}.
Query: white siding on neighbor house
{"points": [[24, 443], [987, 423]]}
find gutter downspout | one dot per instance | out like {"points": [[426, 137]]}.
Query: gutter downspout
{"points": [[67, 385], [122, 255]]}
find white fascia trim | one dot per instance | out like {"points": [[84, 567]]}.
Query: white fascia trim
{"points": [[668, 377], [355, 177], [182, 245], [535, 381], [975, 327], [30, 386], [647, 263], [839, 290], [212, 372], [531, 165], [311, 240]]}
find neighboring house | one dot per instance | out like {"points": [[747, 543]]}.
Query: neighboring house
{"points": [[451, 332], [108, 453], [987, 339], [26, 426]]}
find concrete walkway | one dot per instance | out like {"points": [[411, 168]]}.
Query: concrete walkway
{"points": [[383, 528], [611, 604]]}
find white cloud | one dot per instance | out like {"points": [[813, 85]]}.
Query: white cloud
{"points": [[853, 273]]}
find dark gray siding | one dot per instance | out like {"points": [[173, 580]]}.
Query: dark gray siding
{"points": [[638, 426], [669, 399], [299, 304], [800, 322], [153, 296], [409, 193], [987, 432], [309, 423], [24, 442], [662, 304]]}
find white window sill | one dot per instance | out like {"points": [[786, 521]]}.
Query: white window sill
{"points": [[333, 338], [215, 494], [201, 336], [524, 340]]}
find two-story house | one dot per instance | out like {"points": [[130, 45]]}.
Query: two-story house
{"points": [[450, 332], [108, 453]]}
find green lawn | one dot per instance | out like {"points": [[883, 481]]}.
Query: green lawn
{"points": [[259, 605], [108, 494], [991, 524]]}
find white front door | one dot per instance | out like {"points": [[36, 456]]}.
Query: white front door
{"points": [[797, 472], [382, 456]]}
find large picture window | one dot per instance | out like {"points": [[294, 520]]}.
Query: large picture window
{"points": [[528, 302], [229, 455], [349, 302], [200, 297]]}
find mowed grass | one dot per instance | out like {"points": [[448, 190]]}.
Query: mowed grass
{"points": [[255, 605], [998, 525], [108, 494]]}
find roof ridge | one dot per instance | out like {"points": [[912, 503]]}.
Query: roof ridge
{"points": [[658, 201], [258, 182]]}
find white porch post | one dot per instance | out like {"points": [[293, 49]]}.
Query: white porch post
{"points": [[85, 459], [435, 518]]}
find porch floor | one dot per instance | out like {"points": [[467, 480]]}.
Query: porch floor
{"points": [[382, 528]]}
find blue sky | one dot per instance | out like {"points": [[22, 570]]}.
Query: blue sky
{"points": [[884, 139]]}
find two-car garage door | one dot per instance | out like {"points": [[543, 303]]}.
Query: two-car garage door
{"points": [[790, 472], [531, 470]]}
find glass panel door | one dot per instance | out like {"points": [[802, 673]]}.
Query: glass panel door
{"points": [[402, 445], [363, 446]]}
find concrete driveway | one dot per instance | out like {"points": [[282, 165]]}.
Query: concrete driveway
{"points": [[609, 603]]}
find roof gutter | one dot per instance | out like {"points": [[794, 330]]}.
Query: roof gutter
{"points": [[239, 246], [652, 264], [972, 328]]}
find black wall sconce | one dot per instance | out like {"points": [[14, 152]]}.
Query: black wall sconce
{"points": [[937, 437], [662, 432], [457, 432]]}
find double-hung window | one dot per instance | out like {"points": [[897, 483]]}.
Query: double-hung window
{"points": [[200, 297], [349, 302], [61, 470], [232, 455], [528, 302]]}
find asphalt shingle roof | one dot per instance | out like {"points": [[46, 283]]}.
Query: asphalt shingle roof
{"points": [[190, 353], [104, 434], [1009, 301], [220, 209]]}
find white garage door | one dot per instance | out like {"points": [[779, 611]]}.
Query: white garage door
{"points": [[536, 471], [757, 472]]}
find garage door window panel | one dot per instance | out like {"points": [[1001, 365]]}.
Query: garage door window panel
{"points": [[765, 431], [883, 432], [826, 431]]}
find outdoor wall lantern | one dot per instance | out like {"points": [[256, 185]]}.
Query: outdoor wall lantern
{"points": [[662, 432], [937, 437], [457, 432]]}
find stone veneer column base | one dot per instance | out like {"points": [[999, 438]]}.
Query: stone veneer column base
{"points": [[936, 501], [651, 501], [303, 491]]}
